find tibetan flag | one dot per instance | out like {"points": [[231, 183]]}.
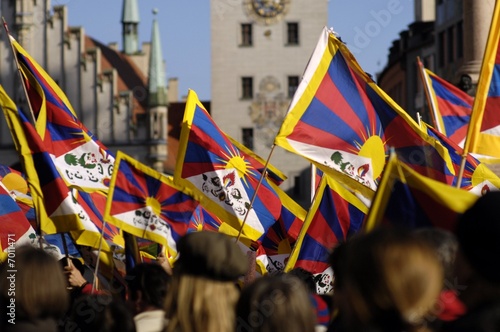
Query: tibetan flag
{"points": [[84, 163], [341, 120], [214, 167], [273, 174], [477, 177], [273, 251], [483, 136], [453, 107], [147, 204], [132, 253], [55, 243], [94, 203], [55, 204], [82, 160], [202, 219], [335, 215], [15, 229], [318, 174], [15, 182], [407, 198], [36, 162]]}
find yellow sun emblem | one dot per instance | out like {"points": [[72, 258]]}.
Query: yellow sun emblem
{"points": [[284, 247], [374, 149], [481, 174], [198, 221], [234, 160], [14, 181], [154, 205]]}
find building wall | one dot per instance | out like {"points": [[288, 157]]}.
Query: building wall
{"points": [[99, 96], [394, 84], [449, 30], [476, 24], [269, 61], [459, 32], [400, 78], [425, 10]]}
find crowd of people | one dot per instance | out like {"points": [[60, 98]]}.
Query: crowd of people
{"points": [[390, 279]]}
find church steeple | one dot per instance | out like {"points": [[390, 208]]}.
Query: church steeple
{"points": [[156, 79], [130, 23], [157, 101]]}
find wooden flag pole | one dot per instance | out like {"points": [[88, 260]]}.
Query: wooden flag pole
{"points": [[262, 175], [65, 247], [19, 70], [18, 66], [430, 101], [96, 270], [483, 86], [313, 180], [462, 169]]}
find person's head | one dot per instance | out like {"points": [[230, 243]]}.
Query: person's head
{"points": [[275, 303], [465, 83], [101, 313], [147, 286], [306, 276], [337, 260], [38, 283], [204, 283], [391, 281], [445, 245], [478, 231]]}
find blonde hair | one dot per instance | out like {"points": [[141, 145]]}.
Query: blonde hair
{"points": [[391, 278], [198, 304]]}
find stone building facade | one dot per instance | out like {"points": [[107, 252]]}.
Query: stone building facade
{"points": [[449, 36], [259, 52], [120, 96]]}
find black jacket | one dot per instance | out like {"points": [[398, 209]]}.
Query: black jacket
{"points": [[485, 318]]}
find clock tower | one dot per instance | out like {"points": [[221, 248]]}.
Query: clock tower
{"points": [[267, 12], [260, 49]]}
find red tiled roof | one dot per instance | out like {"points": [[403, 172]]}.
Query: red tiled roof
{"points": [[130, 77]]}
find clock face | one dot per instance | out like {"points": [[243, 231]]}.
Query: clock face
{"points": [[266, 11]]}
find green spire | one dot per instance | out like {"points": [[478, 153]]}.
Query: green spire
{"points": [[130, 23], [157, 80]]}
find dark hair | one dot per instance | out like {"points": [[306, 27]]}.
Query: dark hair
{"points": [[273, 304], [445, 244], [477, 232], [337, 260], [101, 313], [306, 276], [210, 255], [151, 280]]}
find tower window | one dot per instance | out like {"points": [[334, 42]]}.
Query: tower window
{"points": [[246, 87], [293, 33], [293, 83], [247, 137], [450, 44], [460, 40], [246, 35], [441, 49]]}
